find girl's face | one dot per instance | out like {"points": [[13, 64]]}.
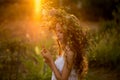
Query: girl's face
{"points": [[59, 32]]}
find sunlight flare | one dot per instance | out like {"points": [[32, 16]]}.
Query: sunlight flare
{"points": [[37, 6], [37, 11]]}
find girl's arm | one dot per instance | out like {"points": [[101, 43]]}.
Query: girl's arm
{"points": [[66, 68]]}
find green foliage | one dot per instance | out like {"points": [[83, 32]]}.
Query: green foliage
{"points": [[18, 61], [104, 44], [105, 51], [10, 59]]}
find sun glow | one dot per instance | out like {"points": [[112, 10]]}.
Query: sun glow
{"points": [[38, 6], [37, 11]]}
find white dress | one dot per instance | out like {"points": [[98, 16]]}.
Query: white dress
{"points": [[59, 64]]}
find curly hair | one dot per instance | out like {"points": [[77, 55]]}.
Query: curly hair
{"points": [[74, 37]]}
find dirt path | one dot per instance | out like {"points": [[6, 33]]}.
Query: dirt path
{"points": [[102, 74]]}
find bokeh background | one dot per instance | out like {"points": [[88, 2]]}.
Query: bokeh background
{"points": [[22, 36]]}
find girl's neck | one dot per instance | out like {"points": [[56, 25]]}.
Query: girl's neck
{"points": [[63, 50]]}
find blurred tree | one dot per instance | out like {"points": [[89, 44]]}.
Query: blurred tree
{"points": [[98, 9], [116, 14], [3, 2]]}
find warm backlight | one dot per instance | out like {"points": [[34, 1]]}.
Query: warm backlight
{"points": [[37, 6]]}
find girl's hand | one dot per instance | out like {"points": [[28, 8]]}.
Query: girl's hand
{"points": [[47, 56]]}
